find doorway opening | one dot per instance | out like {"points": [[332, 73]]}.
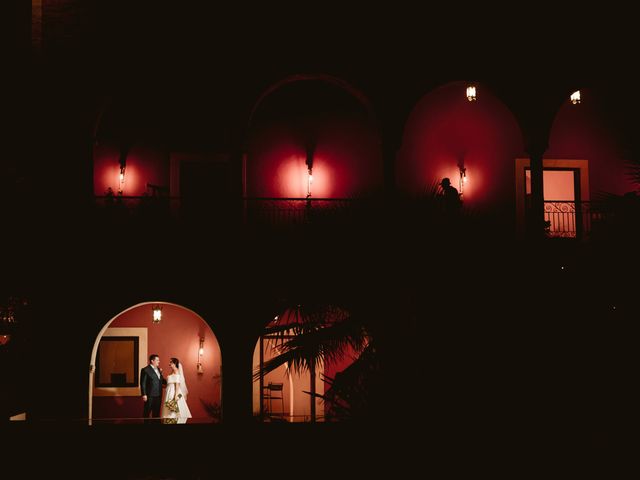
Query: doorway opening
{"points": [[565, 194]]}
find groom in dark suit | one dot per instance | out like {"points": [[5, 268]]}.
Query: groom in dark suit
{"points": [[151, 383]]}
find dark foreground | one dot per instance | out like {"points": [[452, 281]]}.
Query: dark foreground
{"points": [[509, 450]]}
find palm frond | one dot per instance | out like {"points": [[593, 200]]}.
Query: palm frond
{"points": [[331, 343], [322, 335], [294, 359]]}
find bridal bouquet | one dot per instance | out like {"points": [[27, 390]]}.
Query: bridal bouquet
{"points": [[172, 405]]}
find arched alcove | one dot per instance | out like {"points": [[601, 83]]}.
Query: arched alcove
{"points": [[587, 131], [446, 135], [318, 123], [163, 140], [319, 356], [126, 342]]}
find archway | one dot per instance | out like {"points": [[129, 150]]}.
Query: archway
{"points": [[590, 129], [162, 141], [308, 364], [329, 79], [130, 145], [123, 347], [312, 136], [474, 143]]}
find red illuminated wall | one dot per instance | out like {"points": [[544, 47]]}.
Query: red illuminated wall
{"points": [[145, 164], [177, 335], [584, 132], [445, 128], [347, 160]]}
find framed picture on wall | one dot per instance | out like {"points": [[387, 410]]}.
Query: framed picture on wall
{"points": [[117, 363]]}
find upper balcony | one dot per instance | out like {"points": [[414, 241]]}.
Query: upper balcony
{"points": [[312, 154], [269, 212], [563, 219]]}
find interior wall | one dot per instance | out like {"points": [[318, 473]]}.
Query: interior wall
{"points": [[177, 335], [347, 158], [445, 130]]}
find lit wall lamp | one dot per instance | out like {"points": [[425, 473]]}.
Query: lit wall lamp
{"points": [[311, 146], [200, 353], [309, 181], [463, 178], [471, 93], [121, 181], [157, 313], [124, 150], [575, 97]]}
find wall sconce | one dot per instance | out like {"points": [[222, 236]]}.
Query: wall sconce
{"points": [[200, 353], [463, 178], [575, 97], [4, 339], [310, 150], [471, 93], [124, 151], [309, 182], [121, 180], [157, 313]]}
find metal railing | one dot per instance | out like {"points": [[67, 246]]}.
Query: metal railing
{"points": [[292, 211], [269, 211], [566, 219], [132, 204], [563, 219]]}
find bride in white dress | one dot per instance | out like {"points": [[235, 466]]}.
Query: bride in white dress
{"points": [[174, 407]]}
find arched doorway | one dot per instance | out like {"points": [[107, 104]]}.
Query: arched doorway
{"points": [[307, 363], [123, 347]]}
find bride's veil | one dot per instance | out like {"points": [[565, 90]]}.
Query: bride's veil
{"points": [[183, 382]]}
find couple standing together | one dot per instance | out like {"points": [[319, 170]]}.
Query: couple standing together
{"points": [[174, 407]]}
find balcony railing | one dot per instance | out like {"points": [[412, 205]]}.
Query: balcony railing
{"points": [[133, 204], [292, 211], [566, 219], [563, 219], [268, 211]]}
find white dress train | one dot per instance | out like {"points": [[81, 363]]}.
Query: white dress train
{"points": [[174, 392]]}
